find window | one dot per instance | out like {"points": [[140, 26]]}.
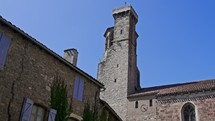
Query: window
{"points": [[150, 103], [31, 112], [188, 112], [121, 31], [136, 104], [4, 45], [78, 89], [37, 113]]}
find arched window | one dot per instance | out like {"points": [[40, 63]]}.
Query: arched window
{"points": [[188, 112]]}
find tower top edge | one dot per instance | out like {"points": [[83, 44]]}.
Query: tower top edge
{"points": [[123, 9], [107, 30]]}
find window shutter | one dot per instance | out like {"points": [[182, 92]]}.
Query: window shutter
{"points": [[4, 45], [26, 110], [1, 35], [75, 92], [81, 89], [52, 114]]}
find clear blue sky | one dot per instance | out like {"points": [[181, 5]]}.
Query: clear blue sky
{"points": [[176, 37]]}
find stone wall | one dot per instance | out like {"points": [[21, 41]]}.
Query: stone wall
{"points": [[170, 107], [113, 70], [29, 72], [112, 73], [118, 70], [139, 109]]}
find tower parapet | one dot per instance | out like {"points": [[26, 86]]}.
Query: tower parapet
{"points": [[123, 10]]}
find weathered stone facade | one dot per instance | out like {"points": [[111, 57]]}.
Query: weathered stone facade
{"points": [[170, 107], [29, 71], [30, 68], [118, 71], [142, 112], [118, 68]]}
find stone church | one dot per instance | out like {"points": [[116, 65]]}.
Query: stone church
{"points": [[118, 71]]}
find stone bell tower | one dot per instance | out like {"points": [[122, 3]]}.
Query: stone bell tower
{"points": [[118, 70]]}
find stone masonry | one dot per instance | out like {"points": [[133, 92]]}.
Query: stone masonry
{"points": [[119, 73], [170, 107], [118, 69], [29, 71]]}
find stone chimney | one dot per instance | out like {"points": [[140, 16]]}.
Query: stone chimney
{"points": [[71, 55]]}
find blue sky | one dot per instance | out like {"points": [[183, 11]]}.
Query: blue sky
{"points": [[176, 41]]}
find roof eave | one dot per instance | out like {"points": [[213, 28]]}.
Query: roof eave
{"points": [[51, 52]]}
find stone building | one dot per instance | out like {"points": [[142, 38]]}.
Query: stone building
{"points": [[27, 70], [118, 71]]}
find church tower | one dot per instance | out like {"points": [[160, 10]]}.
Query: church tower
{"points": [[118, 70]]}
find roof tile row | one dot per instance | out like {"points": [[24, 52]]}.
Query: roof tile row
{"points": [[177, 88]]}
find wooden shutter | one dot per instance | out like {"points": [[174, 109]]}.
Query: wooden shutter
{"points": [[52, 114], [81, 89], [4, 45], [78, 89], [76, 86], [1, 35], [26, 110]]}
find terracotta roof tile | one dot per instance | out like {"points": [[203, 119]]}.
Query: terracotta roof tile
{"points": [[190, 87], [176, 88]]}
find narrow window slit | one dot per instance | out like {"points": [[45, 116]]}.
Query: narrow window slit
{"points": [[121, 31], [136, 104], [150, 103]]}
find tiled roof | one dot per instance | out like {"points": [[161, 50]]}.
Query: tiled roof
{"points": [[50, 51], [196, 86]]}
